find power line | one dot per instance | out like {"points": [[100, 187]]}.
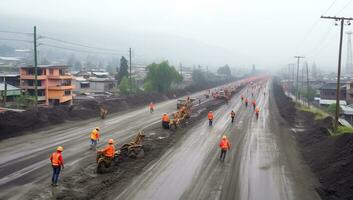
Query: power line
{"points": [[11, 39], [329, 8], [79, 44], [79, 50], [348, 3], [15, 32]]}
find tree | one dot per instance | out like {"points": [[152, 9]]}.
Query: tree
{"points": [[124, 85], [25, 100], [123, 71], [224, 71], [332, 108], [199, 77], [161, 76]]}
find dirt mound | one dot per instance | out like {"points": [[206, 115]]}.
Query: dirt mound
{"points": [[330, 158], [286, 105]]}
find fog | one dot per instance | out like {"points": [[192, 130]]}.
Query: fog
{"points": [[206, 32]]}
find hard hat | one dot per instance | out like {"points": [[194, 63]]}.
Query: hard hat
{"points": [[224, 137], [97, 128], [210, 111], [60, 148], [110, 141], [165, 114]]}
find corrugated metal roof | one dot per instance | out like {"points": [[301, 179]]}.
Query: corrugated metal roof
{"points": [[9, 87]]}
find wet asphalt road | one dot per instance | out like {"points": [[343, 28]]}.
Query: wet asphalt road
{"points": [[24, 160], [262, 164]]}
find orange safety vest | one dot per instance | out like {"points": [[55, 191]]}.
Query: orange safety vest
{"points": [[109, 151], [210, 116], [94, 135], [165, 118], [224, 144], [254, 102], [257, 110], [55, 159], [151, 105]]}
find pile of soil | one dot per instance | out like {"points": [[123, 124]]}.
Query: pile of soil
{"points": [[329, 157], [14, 123], [86, 184]]}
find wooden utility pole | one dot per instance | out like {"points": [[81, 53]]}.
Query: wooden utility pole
{"points": [[341, 19], [307, 84], [35, 66], [130, 70], [297, 82]]}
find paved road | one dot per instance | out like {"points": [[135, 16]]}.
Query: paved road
{"points": [[263, 164], [24, 160]]}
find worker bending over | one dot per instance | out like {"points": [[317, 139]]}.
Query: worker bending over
{"points": [[225, 146], [165, 121], [57, 163]]}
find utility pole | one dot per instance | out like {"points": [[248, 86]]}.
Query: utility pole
{"points": [[302, 86], [5, 91], [35, 66], [297, 82], [181, 69], [341, 19], [307, 84], [130, 70]]}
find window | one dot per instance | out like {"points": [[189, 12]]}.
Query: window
{"points": [[51, 71], [67, 92]]}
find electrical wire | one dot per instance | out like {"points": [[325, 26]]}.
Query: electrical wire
{"points": [[81, 45], [348, 3], [10, 39], [80, 50], [15, 32]]}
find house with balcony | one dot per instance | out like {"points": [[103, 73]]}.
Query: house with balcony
{"points": [[54, 83]]}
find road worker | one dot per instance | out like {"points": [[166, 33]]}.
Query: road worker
{"points": [[246, 102], [241, 98], [232, 115], [210, 118], [109, 150], [57, 163], [151, 106], [165, 121], [257, 112], [94, 137], [225, 146], [254, 104]]}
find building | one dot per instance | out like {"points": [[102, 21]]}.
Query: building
{"points": [[11, 92], [54, 83], [328, 91]]}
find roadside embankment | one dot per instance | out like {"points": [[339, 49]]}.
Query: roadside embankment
{"points": [[329, 157]]}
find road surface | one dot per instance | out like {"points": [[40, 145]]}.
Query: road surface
{"points": [[263, 164], [24, 160]]}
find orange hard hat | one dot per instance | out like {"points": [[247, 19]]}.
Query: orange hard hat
{"points": [[60, 148], [110, 141], [224, 137]]}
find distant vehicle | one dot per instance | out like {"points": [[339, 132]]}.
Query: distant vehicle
{"points": [[181, 102]]}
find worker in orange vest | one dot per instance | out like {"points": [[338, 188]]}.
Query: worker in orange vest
{"points": [[94, 137], [210, 118], [165, 121], [246, 102], [257, 112], [225, 146], [232, 115], [151, 106], [241, 98], [57, 163], [109, 150], [254, 104]]}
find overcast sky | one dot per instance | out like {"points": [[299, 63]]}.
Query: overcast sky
{"points": [[267, 33]]}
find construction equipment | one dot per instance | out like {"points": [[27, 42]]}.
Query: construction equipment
{"points": [[134, 149], [180, 117], [182, 102], [103, 112]]}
